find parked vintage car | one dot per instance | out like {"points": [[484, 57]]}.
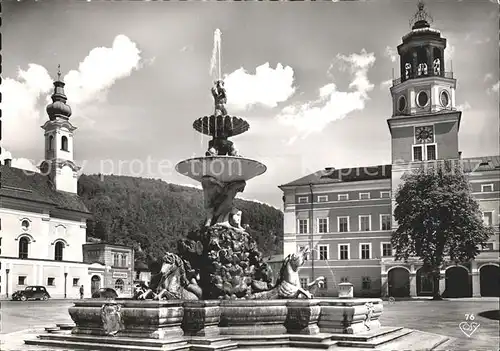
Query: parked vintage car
{"points": [[106, 293], [36, 292]]}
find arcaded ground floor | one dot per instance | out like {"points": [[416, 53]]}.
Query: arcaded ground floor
{"points": [[441, 317], [399, 279]]}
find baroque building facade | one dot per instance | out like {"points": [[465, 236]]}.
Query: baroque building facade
{"points": [[346, 215], [43, 221]]}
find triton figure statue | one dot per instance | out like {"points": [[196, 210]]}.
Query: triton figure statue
{"points": [[220, 98]]}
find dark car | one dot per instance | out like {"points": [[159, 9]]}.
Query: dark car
{"points": [[36, 292], [106, 293]]}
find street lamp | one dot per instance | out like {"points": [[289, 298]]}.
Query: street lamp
{"points": [[7, 281], [65, 282]]}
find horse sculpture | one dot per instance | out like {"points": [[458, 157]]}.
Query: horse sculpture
{"points": [[170, 282], [288, 283]]}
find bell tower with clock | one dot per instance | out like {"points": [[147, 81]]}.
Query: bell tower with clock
{"points": [[425, 122]]}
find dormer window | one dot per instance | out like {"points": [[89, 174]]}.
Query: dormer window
{"points": [[64, 143]]}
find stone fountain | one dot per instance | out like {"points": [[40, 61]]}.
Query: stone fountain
{"points": [[215, 293]]}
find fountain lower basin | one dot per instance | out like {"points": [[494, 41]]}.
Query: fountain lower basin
{"points": [[235, 324], [224, 168]]}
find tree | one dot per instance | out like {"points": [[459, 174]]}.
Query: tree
{"points": [[438, 219]]}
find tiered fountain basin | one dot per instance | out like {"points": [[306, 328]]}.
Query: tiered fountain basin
{"points": [[224, 168], [227, 125], [234, 324]]}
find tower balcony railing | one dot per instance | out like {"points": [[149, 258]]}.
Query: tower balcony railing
{"points": [[402, 79]]}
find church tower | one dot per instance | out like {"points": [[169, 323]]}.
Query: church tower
{"points": [[425, 122], [58, 162]]}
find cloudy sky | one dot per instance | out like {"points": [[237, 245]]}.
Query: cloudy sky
{"points": [[311, 79]]}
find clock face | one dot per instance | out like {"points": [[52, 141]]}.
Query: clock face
{"points": [[444, 98], [424, 134]]}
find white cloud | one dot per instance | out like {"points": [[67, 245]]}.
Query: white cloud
{"points": [[488, 76], [267, 87], [101, 69], [26, 96], [385, 84], [464, 107], [494, 88], [22, 163], [391, 53], [332, 104]]}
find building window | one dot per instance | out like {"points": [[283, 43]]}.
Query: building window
{"points": [[364, 223], [124, 260], [487, 188], [365, 251], [386, 249], [64, 143], [116, 260], [21, 280], [417, 153], [344, 279], [76, 281], [119, 285], [488, 247], [366, 283], [364, 196], [385, 194], [302, 199], [322, 198], [385, 222], [343, 251], [322, 225], [25, 224], [488, 218], [51, 281], [23, 247], [303, 283], [323, 252], [431, 152], [343, 224], [58, 252], [343, 197], [303, 226]]}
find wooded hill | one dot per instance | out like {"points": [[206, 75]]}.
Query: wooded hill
{"points": [[151, 215]]}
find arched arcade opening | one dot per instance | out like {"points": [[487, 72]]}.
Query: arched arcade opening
{"points": [[399, 282], [457, 282], [489, 280]]}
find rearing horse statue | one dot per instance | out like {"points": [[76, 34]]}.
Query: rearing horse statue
{"points": [[171, 283], [288, 283]]}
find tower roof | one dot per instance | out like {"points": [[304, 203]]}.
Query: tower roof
{"points": [[421, 19], [58, 108]]}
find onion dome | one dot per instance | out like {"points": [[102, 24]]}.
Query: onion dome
{"points": [[58, 108]]}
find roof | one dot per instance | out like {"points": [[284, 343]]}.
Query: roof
{"points": [[481, 164], [140, 266], [22, 184], [332, 175], [356, 174], [102, 243]]}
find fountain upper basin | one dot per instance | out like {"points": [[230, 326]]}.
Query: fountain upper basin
{"points": [[222, 168]]}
